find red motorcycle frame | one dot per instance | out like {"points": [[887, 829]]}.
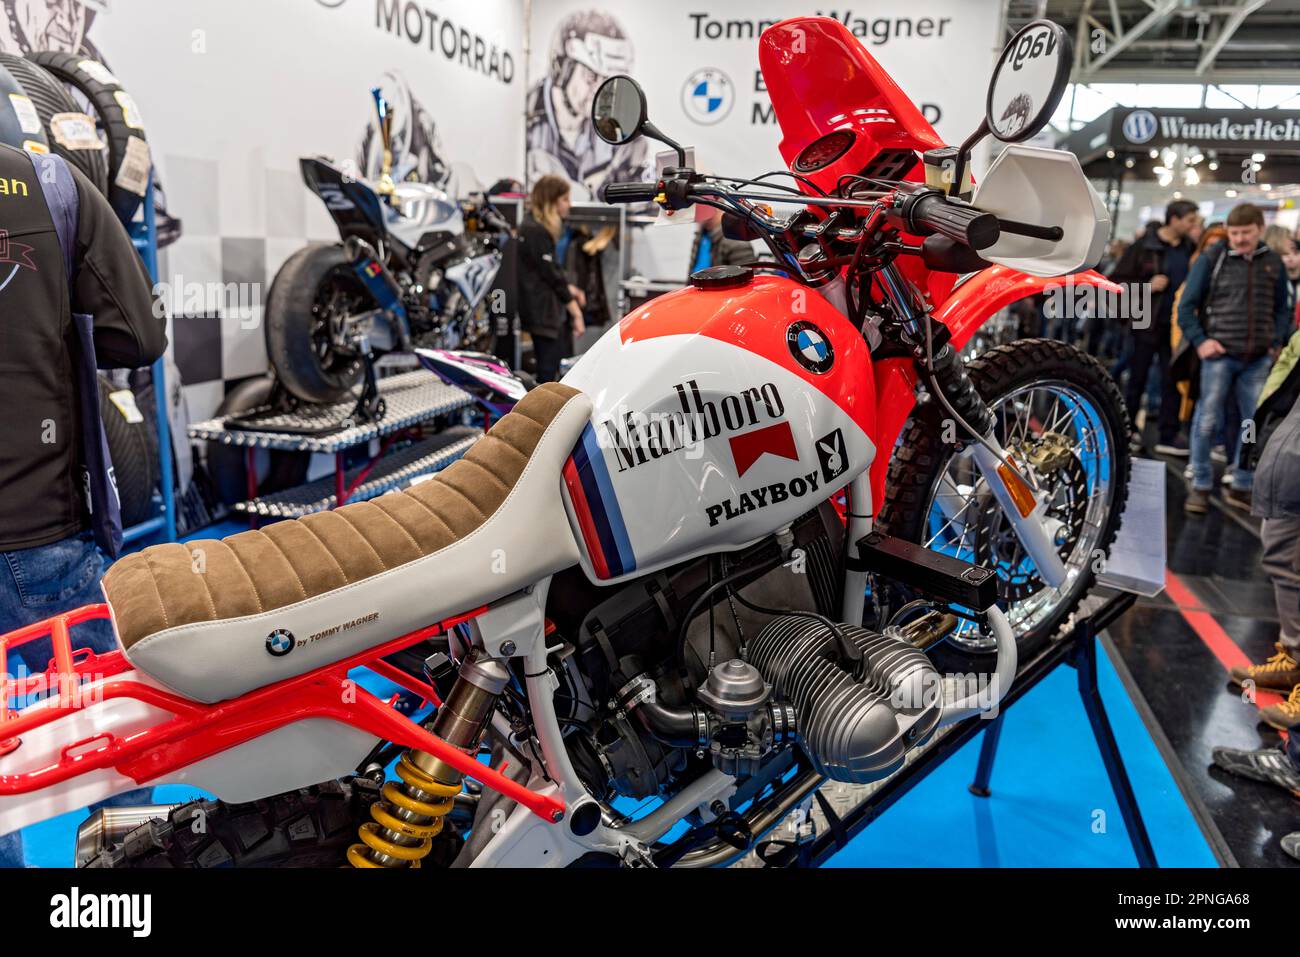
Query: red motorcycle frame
{"points": [[195, 731]]}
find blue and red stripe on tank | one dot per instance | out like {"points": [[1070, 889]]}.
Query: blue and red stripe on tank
{"points": [[586, 476]]}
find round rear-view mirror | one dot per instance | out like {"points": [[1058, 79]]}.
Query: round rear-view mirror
{"points": [[1028, 81], [618, 110]]}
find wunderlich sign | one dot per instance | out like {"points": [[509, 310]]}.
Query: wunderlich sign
{"points": [[1205, 126], [1138, 130]]}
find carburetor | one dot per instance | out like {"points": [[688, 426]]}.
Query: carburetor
{"points": [[736, 720]]}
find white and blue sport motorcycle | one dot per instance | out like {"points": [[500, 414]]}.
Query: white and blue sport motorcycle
{"points": [[414, 269]]}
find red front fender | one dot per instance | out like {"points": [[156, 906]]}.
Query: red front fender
{"points": [[967, 308], [971, 303]]}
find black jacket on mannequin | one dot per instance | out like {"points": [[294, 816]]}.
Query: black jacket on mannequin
{"points": [[40, 438]]}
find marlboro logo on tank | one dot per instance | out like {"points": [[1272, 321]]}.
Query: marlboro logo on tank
{"points": [[775, 440], [640, 437]]}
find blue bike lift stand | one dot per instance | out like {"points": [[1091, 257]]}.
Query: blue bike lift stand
{"points": [[144, 235], [1078, 649]]}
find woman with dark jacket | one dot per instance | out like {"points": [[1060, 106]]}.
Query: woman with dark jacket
{"points": [[550, 309]]}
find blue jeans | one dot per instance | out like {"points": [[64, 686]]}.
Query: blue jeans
{"points": [[37, 583], [1221, 377]]}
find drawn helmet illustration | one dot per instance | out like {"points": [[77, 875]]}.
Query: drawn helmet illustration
{"points": [[51, 24], [593, 39]]}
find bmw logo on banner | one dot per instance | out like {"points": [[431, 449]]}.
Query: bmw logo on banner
{"points": [[1140, 126], [708, 96], [810, 347]]}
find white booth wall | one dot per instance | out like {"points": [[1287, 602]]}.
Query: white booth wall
{"points": [[233, 92], [939, 51]]}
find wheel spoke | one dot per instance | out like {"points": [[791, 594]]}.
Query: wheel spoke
{"points": [[948, 524], [1080, 501]]}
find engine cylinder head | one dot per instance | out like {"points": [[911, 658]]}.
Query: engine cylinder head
{"points": [[854, 732]]}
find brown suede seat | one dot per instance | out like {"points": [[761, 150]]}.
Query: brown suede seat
{"points": [[183, 591]]}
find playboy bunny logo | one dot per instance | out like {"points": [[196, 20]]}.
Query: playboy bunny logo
{"points": [[830, 452]]}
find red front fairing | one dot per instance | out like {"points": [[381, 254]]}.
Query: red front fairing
{"points": [[821, 78]]}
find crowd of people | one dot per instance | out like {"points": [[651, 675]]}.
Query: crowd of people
{"points": [[1210, 367]]}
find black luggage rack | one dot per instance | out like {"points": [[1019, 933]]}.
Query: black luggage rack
{"points": [[411, 400]]}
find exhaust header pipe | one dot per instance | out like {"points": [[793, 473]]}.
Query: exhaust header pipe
{"points": [[109, 825]]}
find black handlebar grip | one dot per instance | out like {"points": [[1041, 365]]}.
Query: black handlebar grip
{"points": [[933, 213], [630, 192]]}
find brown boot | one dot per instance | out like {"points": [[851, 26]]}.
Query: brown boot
{"points": [[1284, 716], [1197, 502], [1279, 673], [1237, 498]]}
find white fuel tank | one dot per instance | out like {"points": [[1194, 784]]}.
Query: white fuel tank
{"points": [[720, 415]]}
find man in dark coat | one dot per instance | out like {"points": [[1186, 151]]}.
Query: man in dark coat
{"points": [[1160, 257], [1236, 312], [49, 562]]}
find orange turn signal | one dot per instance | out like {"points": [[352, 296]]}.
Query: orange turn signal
{"points": [[1021, 493]]}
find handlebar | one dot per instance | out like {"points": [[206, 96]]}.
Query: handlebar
{"points": [[630, 192], [928, 212], [915, 208]]}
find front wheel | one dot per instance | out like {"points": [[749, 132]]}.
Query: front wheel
{"points": [[1056, 409]]}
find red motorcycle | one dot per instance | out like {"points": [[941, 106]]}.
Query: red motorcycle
{"points": [[635, 586]]}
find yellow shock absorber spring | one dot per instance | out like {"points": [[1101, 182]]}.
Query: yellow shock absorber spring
{"points": [[406, 821], [410, 815]]}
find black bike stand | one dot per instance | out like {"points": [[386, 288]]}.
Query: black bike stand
{"points": [[285, 414], [1083, 658], [1077, 649]]}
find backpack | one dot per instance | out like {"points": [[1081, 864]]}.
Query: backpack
{"points": [[99, 486]]}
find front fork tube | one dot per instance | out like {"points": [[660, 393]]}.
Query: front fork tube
{"points": [[859, 527], [1035, 529], [1025, 508]]}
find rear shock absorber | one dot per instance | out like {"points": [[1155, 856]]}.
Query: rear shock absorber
{"points": [[411, 813]]}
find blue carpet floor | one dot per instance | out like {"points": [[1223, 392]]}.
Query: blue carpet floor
{"points": [[1052, 804]]}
